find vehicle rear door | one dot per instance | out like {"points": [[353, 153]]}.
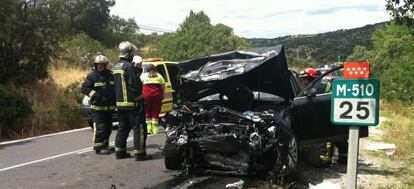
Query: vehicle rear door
{"points": [[310, 114], [167, 103]]}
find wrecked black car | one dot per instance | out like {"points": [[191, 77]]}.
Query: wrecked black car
{"points": [[245, 113]]}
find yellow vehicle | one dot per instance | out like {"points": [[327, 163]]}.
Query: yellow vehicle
{"points": [[169, 71]]}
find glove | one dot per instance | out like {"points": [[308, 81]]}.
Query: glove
{"points": [[95, 98], [98, 98]]}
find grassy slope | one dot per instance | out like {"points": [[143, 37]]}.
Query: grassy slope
{"points": [[55, 106], [399, 127]]}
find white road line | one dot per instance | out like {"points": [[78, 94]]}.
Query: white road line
{"points": [[40, 160], [48, 135], [81, 151]]}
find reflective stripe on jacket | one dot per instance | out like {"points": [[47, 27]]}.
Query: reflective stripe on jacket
{"points": [[127, 85], [99, 86]]}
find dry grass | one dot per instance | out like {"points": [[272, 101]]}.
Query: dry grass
{"points": [[400, 131], [64, 76], [55, 109]]}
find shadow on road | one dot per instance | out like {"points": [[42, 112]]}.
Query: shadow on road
{"points": [[3, 146]]}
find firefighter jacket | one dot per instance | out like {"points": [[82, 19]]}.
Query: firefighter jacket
{"points": [[128, 86], [99, 86]]}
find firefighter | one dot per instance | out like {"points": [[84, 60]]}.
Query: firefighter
{"points": [[309, 74], [99, 86], [129, 103], [153, 91]]}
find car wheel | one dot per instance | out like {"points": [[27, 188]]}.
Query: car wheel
{"points": [[172, 163], [291, 150], [172, 157], [293, 154]]}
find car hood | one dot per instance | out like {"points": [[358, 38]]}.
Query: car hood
{"points": [[260, 69]]}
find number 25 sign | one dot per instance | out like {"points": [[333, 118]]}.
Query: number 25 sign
{"points": [[355, 102]]}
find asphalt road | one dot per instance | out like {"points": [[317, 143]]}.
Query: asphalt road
{"points": [[66, 160]]}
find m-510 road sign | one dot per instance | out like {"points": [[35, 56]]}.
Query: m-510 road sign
{"points": [[355, 102]]}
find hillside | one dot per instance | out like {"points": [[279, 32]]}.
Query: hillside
{"points": [[323, 47]]}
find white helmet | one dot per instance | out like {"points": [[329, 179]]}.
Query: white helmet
{"points": [[101, 59], [126, 49], [136, 60]]}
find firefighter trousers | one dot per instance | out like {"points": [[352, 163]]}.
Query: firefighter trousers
{"points": [[102, 128], [131, 119]]}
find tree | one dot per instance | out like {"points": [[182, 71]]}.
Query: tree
{"points": [[402, 11], [393, 62], [89, 16], [197, 37], [27, 38], [118, 30], [80, 49], [360, 54]]}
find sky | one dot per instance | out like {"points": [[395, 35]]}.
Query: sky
{"points": [[257, 18]]}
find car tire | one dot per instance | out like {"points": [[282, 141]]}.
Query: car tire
{"points": [[172, 163], [290, 150], [172, 159]]}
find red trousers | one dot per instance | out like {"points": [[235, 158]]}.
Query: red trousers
{"points": [[152, 108]]}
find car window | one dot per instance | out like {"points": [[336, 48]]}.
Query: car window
{"points": [[324, 84], [262, 96], [161, 70], [144, 68], [258, 96], [213, 97]]}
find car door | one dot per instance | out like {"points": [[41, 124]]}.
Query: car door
{"points": [[310, 114], [167, 103]]}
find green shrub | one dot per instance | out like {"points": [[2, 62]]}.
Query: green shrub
{"points": [[80, 49], [13, 108], [393, 62], [74, 91], [67, 114]]}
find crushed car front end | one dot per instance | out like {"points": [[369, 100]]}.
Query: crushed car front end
{"points": [[231, 122]]}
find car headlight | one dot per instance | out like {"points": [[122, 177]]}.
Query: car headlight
{"points": [[86, 101]]}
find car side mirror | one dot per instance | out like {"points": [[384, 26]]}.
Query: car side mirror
{"points": [[311, 92]]}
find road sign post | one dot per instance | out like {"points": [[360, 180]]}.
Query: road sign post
{"points": [[355, 103], [353, 149]]}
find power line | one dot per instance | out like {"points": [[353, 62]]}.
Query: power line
{"points": [[150, 28]]}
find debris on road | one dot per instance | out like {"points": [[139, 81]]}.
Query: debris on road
{"points": [[379, 146], [239, 184], [325, 185]]}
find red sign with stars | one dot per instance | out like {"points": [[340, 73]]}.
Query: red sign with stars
{"points": [[356, 70]]}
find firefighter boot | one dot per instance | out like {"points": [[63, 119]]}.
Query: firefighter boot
{"points": [[122, 155], [102, 151], [110, 148]]}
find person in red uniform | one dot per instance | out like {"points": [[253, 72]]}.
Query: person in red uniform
{"points": [[153, 92]]}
